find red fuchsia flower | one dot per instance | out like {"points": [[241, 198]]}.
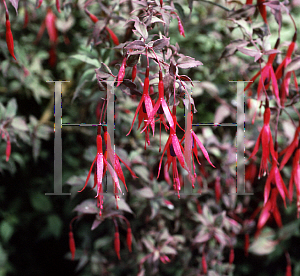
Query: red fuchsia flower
{"points": [[8, 148], [122, 71], [111, 33], [117, 243], [49, 23], [9, 36], [174, 149], [180, 27], [161, 106], [146, 105], [269, 208], [295, 178], [115, 159], [204, 263], [72, 244], [284, 90], [275, 178], [265, 138], [288, 151], [261, 7], [58, 6], [195, 141], [266, 74]]}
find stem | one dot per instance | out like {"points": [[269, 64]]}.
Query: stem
{"points": [[155, 57], [216, 4]]}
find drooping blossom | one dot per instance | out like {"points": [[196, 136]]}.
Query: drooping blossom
{"points": [[284, 90], [145, 105], [266, 74], [275, 178], [192, 146], [269, 208], [295, 178], [266, 140], [289, 150], [174, 151]]}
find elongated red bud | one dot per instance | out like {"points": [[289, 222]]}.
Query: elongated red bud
{"points": [[26, 19], [161, 3], [218, 189], [50, 25], [133, 74], [39, 3], [231, 256], [122, 72], [288, 270], [9, 38], [246, 245], [58, 6], [180, 27], [117, 244], [204, 264], [113, 36], [72, 244], [92, 17], [129, 239], [52, 56], [8, 149]]}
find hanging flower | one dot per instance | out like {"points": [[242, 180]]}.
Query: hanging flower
{"points": [[269, 208], [174, 149], [295, 178], [195, 141], [288, 151], [146, 105], [284, 91], [265, 138], [266, 74], [275, 178]]}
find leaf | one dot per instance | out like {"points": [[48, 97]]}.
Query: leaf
{"points": [[180, 10], [202, 236], [124, 206], [161, 43], [87, 207], [87, 60], [222, 112], [245, 12], [136, 45], [187, 62], [40, 202], [264, 244], [15, 3], [11, 108], [293, 65], [132, 60], [145, 192], [129, 88], [141, 29], [19, 124], [168, 250]]}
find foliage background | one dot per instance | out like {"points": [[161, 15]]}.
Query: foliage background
{"points": [[34, 227]]}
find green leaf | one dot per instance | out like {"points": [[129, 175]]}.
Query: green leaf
{"points": [[19, 124], [168, 250], [145, 193], [54, 225], [40, 202], [124, 206], [87, 60], [11, 108], [6, 230]]}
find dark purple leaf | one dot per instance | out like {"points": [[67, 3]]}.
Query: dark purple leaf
{"points": [[129, 88], [132, 60], [188, 62], [136, 45], [15, 3], [245, 12], [161, 43]]}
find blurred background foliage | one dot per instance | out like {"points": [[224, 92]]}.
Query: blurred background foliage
{"points": [[34, 227]]}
